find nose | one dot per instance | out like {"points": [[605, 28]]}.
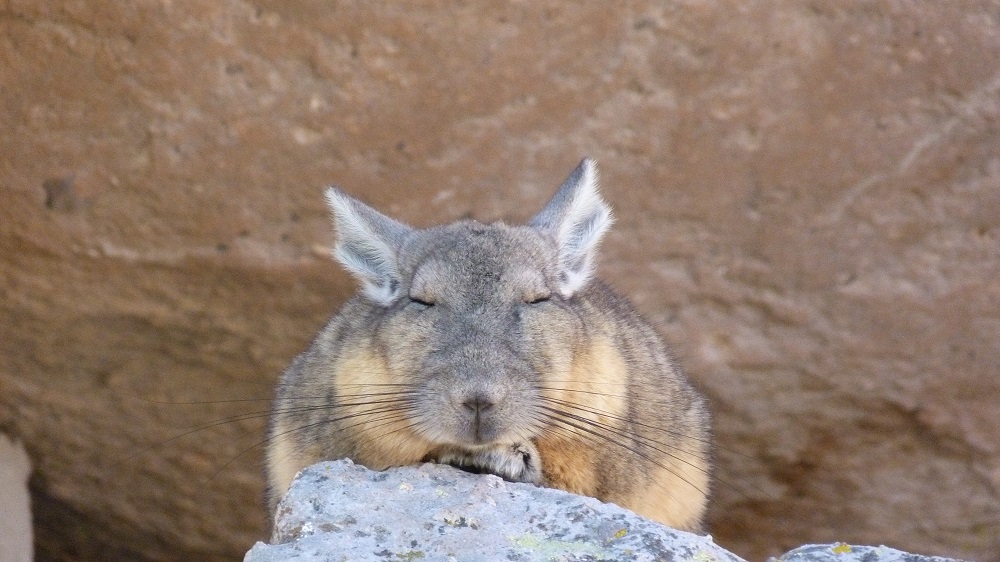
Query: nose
{"points": [[478, 404]]}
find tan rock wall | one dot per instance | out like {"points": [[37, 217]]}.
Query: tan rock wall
{"points": [[808, 202]]}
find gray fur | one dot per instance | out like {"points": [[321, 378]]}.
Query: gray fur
{"points": [[491, 347]]}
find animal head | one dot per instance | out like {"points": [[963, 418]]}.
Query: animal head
{"points": [[472, 319]]}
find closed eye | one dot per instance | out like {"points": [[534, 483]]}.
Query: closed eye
{"points": [[538, 300], [421, 302]]}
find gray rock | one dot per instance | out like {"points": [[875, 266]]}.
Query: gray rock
{"points": [[339, 511], [15, 525], [841, 552]]}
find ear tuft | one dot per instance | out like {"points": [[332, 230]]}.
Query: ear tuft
{"points": [[367, 245], [577, 218]]}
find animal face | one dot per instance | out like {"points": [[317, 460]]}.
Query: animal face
{"points": [[475, 318], [469, 330]]}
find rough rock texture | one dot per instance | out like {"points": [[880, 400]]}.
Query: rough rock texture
{"points": [[808, 203], [339, 511], [342, 511], [15, 505], [840, 552]]}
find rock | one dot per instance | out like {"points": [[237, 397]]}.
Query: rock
{"points": [[341, 511], [841, 552], [15, 525]]}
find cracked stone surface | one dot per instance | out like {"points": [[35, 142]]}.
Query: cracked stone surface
{"points": [[808, 207]]}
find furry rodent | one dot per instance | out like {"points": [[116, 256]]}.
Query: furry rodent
{"points": [[492, 348]]}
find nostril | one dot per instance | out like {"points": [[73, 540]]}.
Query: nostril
{"points": [[478, 404]]}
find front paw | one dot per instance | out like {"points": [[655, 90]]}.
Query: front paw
{"points": [[516, 462]]}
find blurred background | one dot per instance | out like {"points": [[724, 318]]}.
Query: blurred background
{"points": [[808, 208]]}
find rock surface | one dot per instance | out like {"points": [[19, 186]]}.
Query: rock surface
{"points": [[841, 552], [339, 512], [342, 511], [15, 505], [807, 198]]}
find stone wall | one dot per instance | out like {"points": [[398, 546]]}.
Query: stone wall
{"points": [[808, 203]]}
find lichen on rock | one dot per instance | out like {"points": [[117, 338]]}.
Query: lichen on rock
{"points": [[340, 511]]}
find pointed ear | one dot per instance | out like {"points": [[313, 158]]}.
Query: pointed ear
{"points": [[577, 218], [367, 245]]}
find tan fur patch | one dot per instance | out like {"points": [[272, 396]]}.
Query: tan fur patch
{"points": [[593, 387], [567, 465], [677, 495], [283, 463], [383, 438], [596, 381]]}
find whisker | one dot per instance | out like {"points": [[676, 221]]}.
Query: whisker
{"points": [[201, 402], [705, 440], [560, 417], [616, 431], [284, 434], [265, 413], [644, 440], [639, 396], [592, 437], [597, 412], [214, 423]]}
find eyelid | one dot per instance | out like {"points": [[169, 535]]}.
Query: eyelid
{"points": [[538, 299], [421, 301]]}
